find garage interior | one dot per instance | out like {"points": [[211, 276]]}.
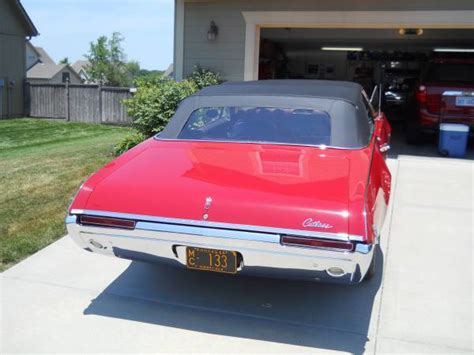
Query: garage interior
{"points": [[394, 58]]}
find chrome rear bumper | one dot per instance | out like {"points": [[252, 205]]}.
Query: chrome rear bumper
{"points": [[262, 253]]}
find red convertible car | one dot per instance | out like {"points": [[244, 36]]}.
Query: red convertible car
{"points": [[269, 178]]}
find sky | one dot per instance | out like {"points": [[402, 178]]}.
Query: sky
{"points": [[67, 27]]}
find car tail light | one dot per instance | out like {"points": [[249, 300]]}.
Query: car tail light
{"points": [[433, 104], [107, 222], [421, 94], [316, 243]]}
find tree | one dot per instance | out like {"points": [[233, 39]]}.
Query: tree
{"points": [[133, 70], [108, 65], [65, 60], [150, 76]]}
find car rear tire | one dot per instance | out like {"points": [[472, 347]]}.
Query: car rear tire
{"points": [[372, 269]]}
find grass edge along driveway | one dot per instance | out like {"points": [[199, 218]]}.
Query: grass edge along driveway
{"points": [[42, 164]]}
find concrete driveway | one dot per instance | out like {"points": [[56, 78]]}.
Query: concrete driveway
{"points": [[63, 299]]}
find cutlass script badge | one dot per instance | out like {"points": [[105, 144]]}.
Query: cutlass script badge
{"points": [[316, 224]]}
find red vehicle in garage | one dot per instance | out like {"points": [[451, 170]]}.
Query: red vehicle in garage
{"points": [[270, 178], [445, 94]]}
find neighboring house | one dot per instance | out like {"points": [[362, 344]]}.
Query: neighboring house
{"points": [[49, 73], [246, 40], [46, 71], [44, 56], [80, 67], [15, 28], [32, 55], [35, 55]]}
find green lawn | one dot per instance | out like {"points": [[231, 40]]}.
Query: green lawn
{"points": [[42, 164]]}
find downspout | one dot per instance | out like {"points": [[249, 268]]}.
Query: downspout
{"points": [[10, 85], [174, 40], [2, 86]]}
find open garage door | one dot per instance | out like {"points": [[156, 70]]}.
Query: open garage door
{"points": [[398, 60], [393, 58], [340, 54]]}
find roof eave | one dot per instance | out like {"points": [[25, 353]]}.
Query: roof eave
{"points": [[31, 28]]}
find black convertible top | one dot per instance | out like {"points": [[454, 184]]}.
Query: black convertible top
{"points": [[342, 101], [342, 90]]}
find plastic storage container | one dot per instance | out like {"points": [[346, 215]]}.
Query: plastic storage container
{"points": [[453, 139]]}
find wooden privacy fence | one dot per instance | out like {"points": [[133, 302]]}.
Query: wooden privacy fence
{"points": [[78, 103]]}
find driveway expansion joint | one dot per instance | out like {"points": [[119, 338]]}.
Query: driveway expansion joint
{"points": [[389, 230]]}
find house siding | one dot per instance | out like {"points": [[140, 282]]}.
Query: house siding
{"points": [[58, 78], [226, 53], [9, 23], [12, 61]]}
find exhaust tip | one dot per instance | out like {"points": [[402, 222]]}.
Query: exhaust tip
{"points": [[96, 244], [335, 271]]}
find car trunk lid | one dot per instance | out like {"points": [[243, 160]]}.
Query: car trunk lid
{"points": [[290, 187]]}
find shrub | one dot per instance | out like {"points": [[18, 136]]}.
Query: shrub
{"points": [[153, 104], [204, 77], [156, 101], [131, 140]]}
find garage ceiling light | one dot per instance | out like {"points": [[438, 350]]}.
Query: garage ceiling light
{"points": [[347, 49], [457, 50]]}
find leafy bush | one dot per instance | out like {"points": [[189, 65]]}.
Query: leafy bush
{"points": [[204, 77], [156, 101], [153, 104], [131, 140]]}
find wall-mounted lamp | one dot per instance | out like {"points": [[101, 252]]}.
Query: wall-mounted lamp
{"points": [[213, 31], [410, 31]]}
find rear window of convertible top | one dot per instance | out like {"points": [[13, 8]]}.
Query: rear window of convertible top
{"points": [[259, 124]]}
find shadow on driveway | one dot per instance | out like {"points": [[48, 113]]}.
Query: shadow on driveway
{"points": [[315, 315]]}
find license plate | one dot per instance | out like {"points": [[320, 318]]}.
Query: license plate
{"points": [[211, 260], [466, 101]]}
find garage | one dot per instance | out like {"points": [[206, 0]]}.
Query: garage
{"points": [[367, 56], [394, 59], [391, 50]]}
